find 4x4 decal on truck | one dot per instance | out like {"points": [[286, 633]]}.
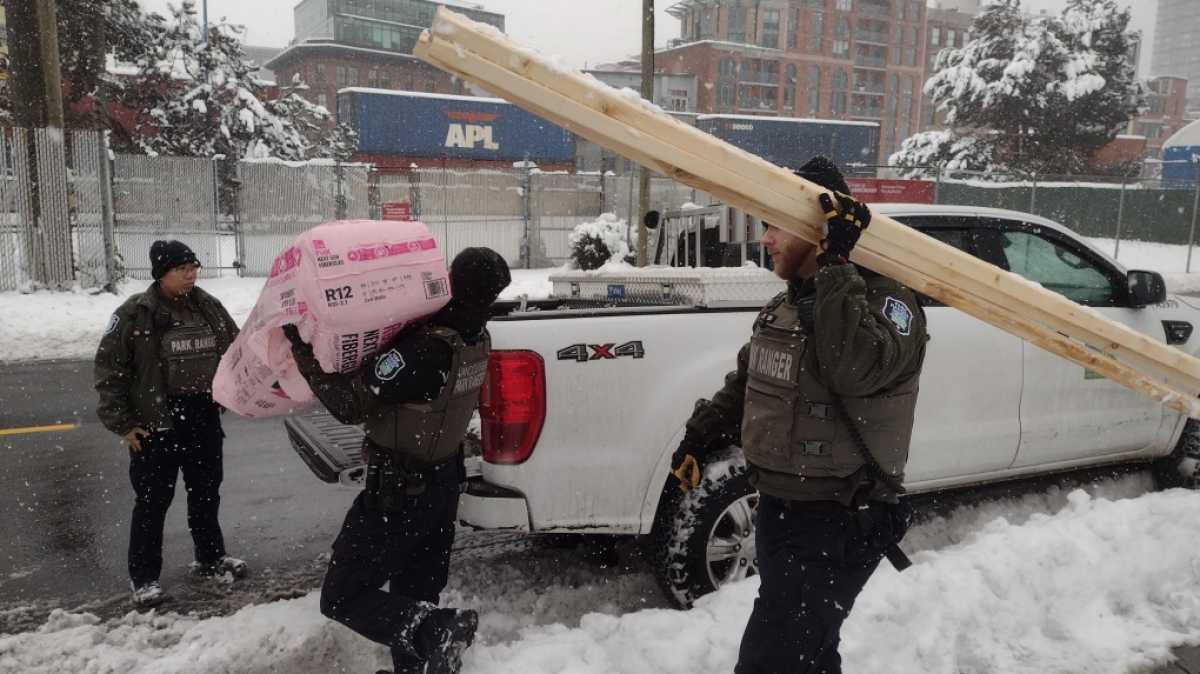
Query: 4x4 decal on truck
{"points": [[582, 353]]}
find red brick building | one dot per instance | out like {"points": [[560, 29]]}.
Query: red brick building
{"points": [[325, 67], [1166, 113], [858, 60], [366, 43]]}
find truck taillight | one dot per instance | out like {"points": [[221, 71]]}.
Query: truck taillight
{"points": [[512, 406]]}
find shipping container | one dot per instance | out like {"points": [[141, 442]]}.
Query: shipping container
{"points": [[790, 142], [412, 124], [1181, 158]]}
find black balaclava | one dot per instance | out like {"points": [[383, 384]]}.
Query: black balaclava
{"points": [[477, 276]]}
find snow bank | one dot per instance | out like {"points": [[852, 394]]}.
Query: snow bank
{"points": [[1101, 586], [64, 325]]}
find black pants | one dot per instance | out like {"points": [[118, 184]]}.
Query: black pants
{"points": [[813, 560], [409, 549], [193, 447]]}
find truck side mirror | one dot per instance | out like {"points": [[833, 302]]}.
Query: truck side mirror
{"points": [[1146, 288]]}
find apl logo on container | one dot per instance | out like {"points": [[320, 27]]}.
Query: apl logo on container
{"points": [[468, 129]]}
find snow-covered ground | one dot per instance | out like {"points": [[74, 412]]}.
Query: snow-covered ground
{"points": [[46, 325], [1100, 580]]}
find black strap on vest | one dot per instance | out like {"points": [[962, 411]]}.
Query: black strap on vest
{"points": [[893, 552]]}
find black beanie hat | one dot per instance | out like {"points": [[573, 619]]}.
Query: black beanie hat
{"points": [[477, 275], [825, 173], [167, 255]]}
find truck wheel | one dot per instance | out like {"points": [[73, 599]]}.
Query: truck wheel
{"points": [[1181, 468], [705, 538]]}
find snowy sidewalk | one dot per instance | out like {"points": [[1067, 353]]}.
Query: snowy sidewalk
{"points": [[1104, 580]]}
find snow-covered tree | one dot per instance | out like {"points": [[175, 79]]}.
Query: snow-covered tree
{"points": [[203, 100], [338, 141], [1031, 94]]}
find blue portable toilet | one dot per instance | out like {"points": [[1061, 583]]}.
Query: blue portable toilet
{"points": [[1181, 157]]}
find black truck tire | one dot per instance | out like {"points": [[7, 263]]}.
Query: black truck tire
{"points": [[705, 538], [1181, 468]]}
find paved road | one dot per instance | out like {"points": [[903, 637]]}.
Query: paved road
{"points": [[65, 502]]}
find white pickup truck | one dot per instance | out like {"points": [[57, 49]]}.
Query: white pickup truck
{"points": [[583, 407]]}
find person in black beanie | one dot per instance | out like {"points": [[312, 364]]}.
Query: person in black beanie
{"points": [[415, 399], [154, 371], [822, 406]]}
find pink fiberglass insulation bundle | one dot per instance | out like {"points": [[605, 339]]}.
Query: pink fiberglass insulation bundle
{"points": [[349, 287]]}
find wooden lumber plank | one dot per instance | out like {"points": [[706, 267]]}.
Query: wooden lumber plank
{"points": [[596, 122], [980, 279]]}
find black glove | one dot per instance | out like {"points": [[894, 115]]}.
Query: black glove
{"points": [[685, 467], [293, 334], [844, 223]]}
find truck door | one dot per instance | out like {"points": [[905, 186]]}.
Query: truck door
{"points": [[1069, 412], [967, 419]]}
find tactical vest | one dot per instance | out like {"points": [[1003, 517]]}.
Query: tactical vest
{"points": [[425, 434], [189, 356], [791, 426]]}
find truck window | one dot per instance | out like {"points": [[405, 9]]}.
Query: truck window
{"points": [[950, 230], [1062, 269]]}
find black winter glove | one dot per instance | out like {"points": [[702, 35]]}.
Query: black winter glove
{"points": [[844, 223], [293, 334]]}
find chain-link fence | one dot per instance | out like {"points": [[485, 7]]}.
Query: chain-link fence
{"points": [[69, 216], [1112, 208], [277, 201], [15, 210]]}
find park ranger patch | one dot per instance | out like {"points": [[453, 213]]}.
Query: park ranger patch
{"points": [[113, 322], [899, 314], [389, 365]]}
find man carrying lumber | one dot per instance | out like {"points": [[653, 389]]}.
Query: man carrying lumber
{"points": [[822, 403]]}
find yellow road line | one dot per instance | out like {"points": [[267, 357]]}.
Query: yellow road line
{"points": [[38, 429]]}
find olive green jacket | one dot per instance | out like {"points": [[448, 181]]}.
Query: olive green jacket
{"points": [[128, 369], [859, 353]]}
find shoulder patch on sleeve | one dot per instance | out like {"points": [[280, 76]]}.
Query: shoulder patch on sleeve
{"points": [[899, 314], [113, 322], [389, 365]]}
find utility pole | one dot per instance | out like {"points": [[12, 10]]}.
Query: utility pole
{"points": [[648, 94], [36, 77], [47, 19]]}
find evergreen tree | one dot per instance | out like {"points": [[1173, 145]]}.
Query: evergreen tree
{"points": [[1031, 94], [191, 99]]}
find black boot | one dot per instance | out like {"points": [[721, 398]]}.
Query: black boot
{"points": [[443, 636]]}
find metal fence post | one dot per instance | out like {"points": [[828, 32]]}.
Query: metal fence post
{"points": [[1120, 218], [603, 184], [414, 191], [937, 185], [374, 211], [1192, 234], [339, 174], [239, 233], [1033, 196], [526, 213], [107, 219]]}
